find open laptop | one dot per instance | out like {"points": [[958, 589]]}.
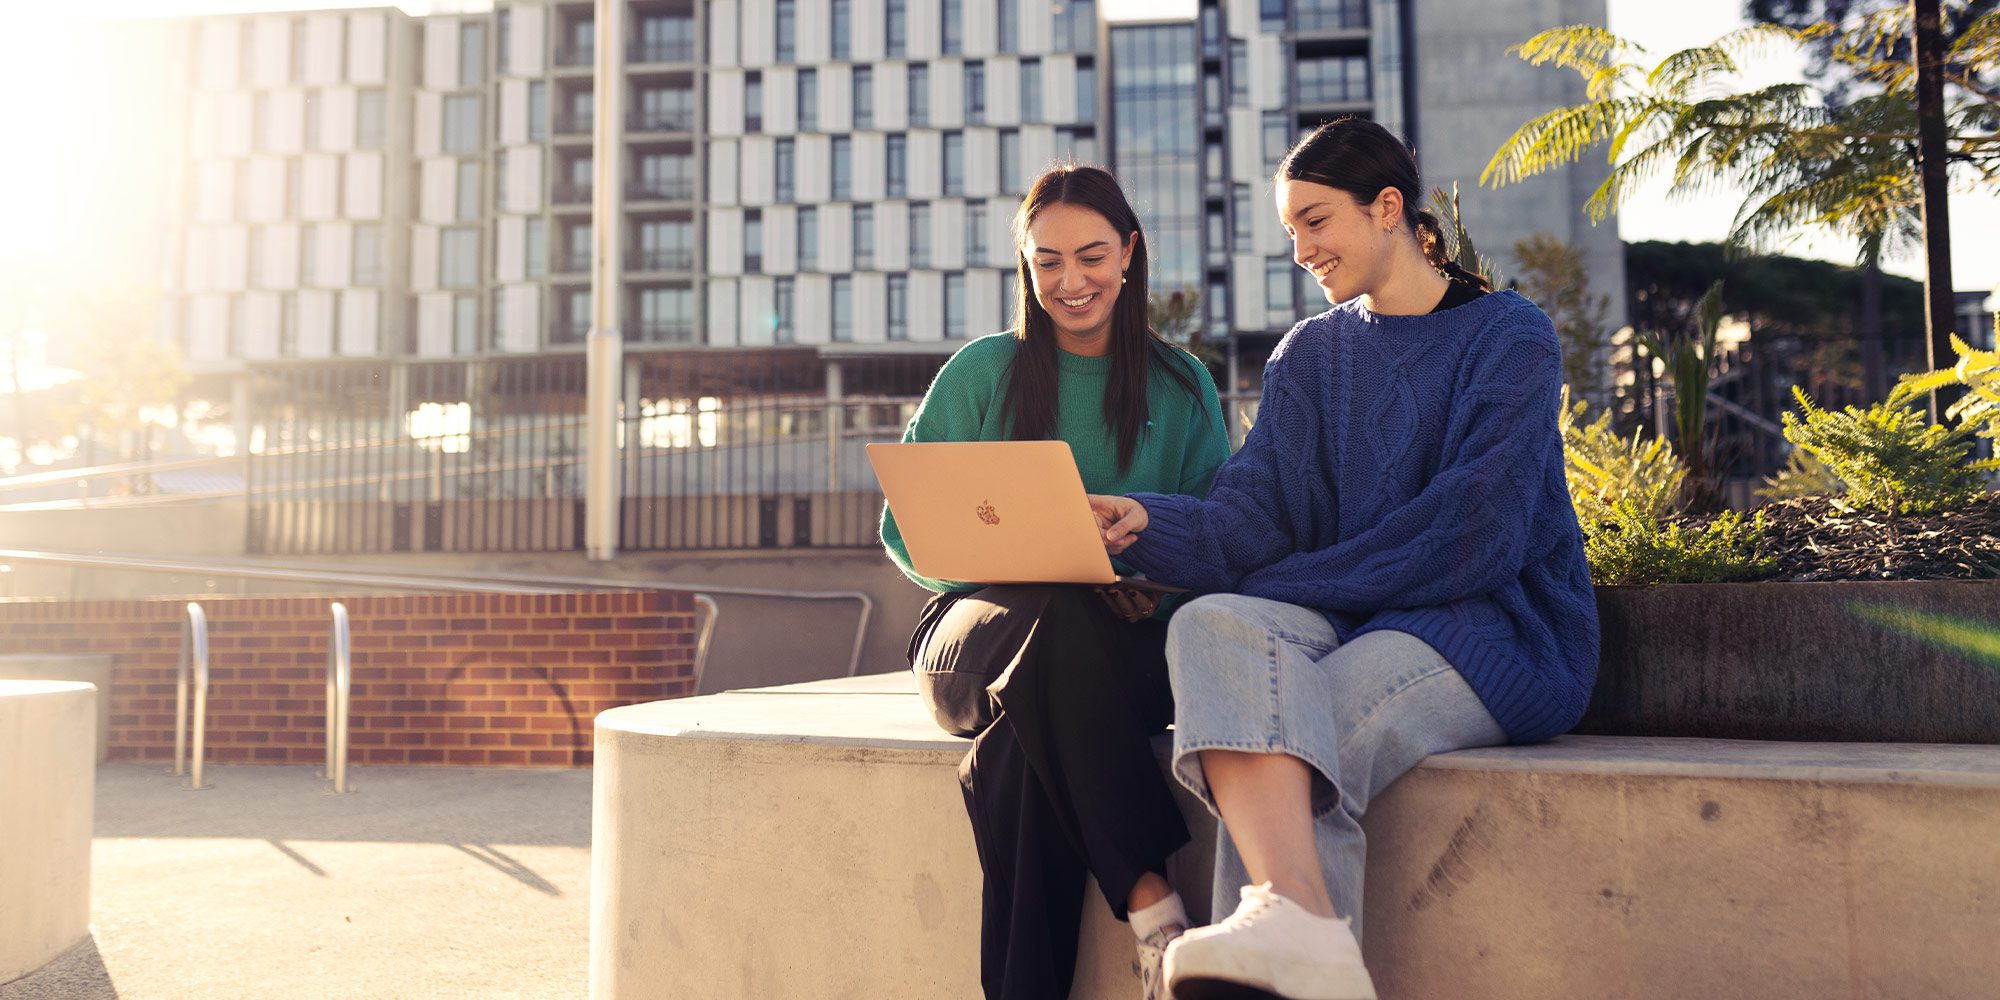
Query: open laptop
{"points": [[996, 512]]}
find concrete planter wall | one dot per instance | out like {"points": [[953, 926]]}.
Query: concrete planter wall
{"points": [[1794, 661]]}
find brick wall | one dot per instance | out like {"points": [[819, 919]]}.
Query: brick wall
{"points": [[477, 679]]}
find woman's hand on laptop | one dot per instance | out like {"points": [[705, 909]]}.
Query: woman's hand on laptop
{"points": [[1120, 518]]}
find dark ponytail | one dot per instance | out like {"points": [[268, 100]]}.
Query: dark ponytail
{"points": [[1361, 157], [1430, 237]]}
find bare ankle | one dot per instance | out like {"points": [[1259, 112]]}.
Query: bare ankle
{"points": [[1150, 889]]}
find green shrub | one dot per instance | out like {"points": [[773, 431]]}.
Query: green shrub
{"points": [[1802, 476], [1626, 493], [1979, 373], [1603, 468], [1633, 546], [1891, 457]]}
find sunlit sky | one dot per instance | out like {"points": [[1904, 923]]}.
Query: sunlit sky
{"points": [[72, 209]]}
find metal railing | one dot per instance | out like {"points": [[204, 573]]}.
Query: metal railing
{"points": [[339, 685], [485, 583], [194, 652]]}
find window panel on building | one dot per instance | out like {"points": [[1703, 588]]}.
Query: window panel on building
{"points": [[1031, 90], [753, 101], [576, 248], [842, 29], [864, 237], [1086, 91], [367, 255], [785, 170], [783, 296], [753, 241], [896, 170], [808, 100], [808, 239], [467, 190], [371, 118], [471, 53], [1332, 79], [535, 249], [898, 310], [1277, 138], [1278, 288], [665, 38], [785, 33], [863, 98], [462, 133], [920, 234], [896, 28], [954, 164], [917, 102], [458, 257], [975, 234], [842, 168], [465, 324], [1010, 162], [954, 305]]}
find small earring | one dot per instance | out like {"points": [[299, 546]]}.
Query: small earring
{"points": [[1122, 279]]}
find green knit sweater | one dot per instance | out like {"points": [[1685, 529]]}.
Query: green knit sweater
{"points": [[1178, 452]]}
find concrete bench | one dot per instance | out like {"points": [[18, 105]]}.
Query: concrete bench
{"points": [[90, 668], [47, 779], [809, 841]]}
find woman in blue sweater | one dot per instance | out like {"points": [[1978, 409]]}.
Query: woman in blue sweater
{"points": [[1394, 566]]}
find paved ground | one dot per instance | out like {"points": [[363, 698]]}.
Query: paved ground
{"points": [[428, 882]]}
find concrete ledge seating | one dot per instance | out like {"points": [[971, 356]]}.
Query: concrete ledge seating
{"points": [[91, 668], [809, 841], [48, 774]]}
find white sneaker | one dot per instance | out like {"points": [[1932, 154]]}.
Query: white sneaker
{"points": [[1270, 947], [1148, 966]]}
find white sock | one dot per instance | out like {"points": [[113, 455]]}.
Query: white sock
{"points": [[1151, 918]]}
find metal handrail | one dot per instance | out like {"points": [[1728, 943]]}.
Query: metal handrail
{"points": [[487, 583], [707, 630], [339, 684], [194, 648]]}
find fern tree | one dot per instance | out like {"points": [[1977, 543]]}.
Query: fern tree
{"points": [[1801, 162]]}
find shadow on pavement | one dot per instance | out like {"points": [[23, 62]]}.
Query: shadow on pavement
{"points": [[77, 974]]}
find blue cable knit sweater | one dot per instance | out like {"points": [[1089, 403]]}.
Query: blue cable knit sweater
{"points": [[1406, 473]]}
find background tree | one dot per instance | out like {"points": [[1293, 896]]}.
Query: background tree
{"points": [[1553, 276], [1176, 315], [1804, 161], [125, 371]]}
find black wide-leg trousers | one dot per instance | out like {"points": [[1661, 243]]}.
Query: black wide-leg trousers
{"points": [[1062, 698]]}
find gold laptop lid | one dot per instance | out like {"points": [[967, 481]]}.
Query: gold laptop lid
{"points": [[992, 511]]}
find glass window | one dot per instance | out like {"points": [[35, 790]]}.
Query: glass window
{"points": [[952, 25], [667, 245], [975, 93], [954, 164], [458, 264], [1076, 26], [843, 308], [465, 324], [1272, 12], [1216, 304], [1081, 142], [1278, 285], [260, 122], [1332, 79], [1086, 91], [367, 248], [808, 238], [786, 38], [296, 66], [538, 111], [864, 98], [1211, 30], [1216, 241], [499, 314], [471, 53], [294, 171], [1010, 289], [1010, 26], [781, 311], [843, 167], [666, 314], [897, 165], [468, 190], [537, 248], [1277, 138], [920, 95], [503, 38], [786, 169], [864, 236], [843, 28], [370, 119], [975, 234], [954, 305], [577, 253], [808, 101], [1010, 161], [1239, 72], [309, 256], [920, 234], [666, 39], [899, 306], [753, 101], [1239, 206], [753, 241], [288, 325], [896, 28], [461, 123], [1031, 90]]}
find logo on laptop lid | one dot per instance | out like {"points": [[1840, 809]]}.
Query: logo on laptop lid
{"points": [[987, 513]]}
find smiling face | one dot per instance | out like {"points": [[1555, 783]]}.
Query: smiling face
{"points": [[1345, 245], [1078, 263]]}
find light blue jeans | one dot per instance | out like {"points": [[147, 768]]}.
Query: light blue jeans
{"points": [[1268, 677]]}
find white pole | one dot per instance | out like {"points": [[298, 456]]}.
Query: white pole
{"points": [[605, 358]]}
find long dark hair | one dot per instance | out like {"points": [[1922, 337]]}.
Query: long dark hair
{"points": [[1361, 158], [1135, 349]]}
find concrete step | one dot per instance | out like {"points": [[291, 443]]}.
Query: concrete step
{"points": [[809, 841]]}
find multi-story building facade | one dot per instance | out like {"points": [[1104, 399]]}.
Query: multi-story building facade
{"points": [[367, 184]]}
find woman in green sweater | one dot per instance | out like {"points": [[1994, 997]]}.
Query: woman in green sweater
{"points": [[1061, 688]]}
